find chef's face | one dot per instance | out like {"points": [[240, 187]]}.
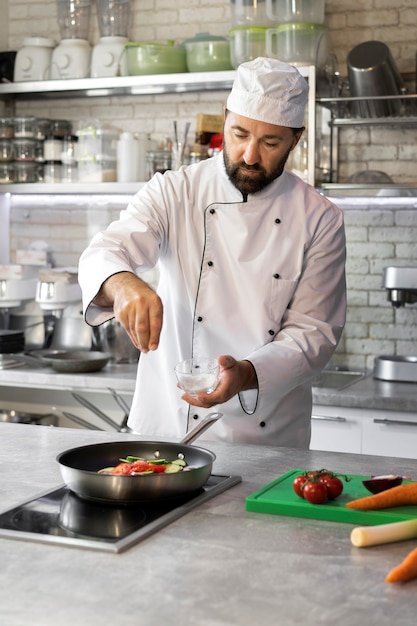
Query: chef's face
{"points": [[255, 152]]}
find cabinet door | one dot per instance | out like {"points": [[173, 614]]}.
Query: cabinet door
{"points": [[336, 429], [390, 434]]}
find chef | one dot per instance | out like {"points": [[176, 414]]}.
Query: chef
{"points": [[252, 272]]}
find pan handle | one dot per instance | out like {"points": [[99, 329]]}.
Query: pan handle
{"points": [[205, 423]]}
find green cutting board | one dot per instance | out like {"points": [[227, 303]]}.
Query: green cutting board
{"points": [[279, 498]]}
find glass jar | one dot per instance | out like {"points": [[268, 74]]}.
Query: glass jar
{"points": [[158, 161], [43, 128], [24, 127], [25, 149], [60, 128], [26, 172], [7, 173], [70, 172], [6, 127], [52, 148], [68, 154], [52, 172], [6, 150]]}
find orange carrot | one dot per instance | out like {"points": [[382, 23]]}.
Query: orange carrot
{"points": [[404, 494], [407, 570]]}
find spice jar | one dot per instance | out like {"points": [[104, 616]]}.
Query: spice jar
{"points": [[52, 148], [6, 150], [26, 172], [7, 173], [60, 128], [69, 143], [43, 128], [24, 127], [52, 172], [6, 127], [25, 149]]}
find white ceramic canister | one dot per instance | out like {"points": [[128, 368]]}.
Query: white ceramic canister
{"points": [[33, 60]]}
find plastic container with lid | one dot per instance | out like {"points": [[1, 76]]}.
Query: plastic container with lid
{"points": [[98, 169], [280, 11], [24, 127], [295, 42], [249, 13], [6, 150], [247, 43], [6, 128], [207, 53]]}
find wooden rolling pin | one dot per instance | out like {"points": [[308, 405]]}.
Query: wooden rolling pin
{"points": [[364, 536]]}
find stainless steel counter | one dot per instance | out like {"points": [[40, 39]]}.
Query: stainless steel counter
{"points": [[217, 566]]}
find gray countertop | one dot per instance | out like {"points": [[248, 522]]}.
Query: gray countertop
{"points": [[370, 393], [217, 566], [367, 393]]}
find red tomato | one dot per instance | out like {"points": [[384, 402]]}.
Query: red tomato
{"points": [[157, 469], [333, 484], [298, 483], [315, 493]]}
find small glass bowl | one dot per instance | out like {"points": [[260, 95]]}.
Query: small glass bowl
{"points": [[198, 375]]}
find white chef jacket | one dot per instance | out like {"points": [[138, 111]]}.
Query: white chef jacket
{"points": [[261, 279]]}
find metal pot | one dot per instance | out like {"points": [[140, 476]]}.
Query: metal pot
{"points": [[111, 337], [79, 467]]}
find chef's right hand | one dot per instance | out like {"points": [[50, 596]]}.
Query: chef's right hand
{"points": [[136, 306]]}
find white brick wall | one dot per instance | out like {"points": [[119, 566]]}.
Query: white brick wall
{"points": [[376, 237]]}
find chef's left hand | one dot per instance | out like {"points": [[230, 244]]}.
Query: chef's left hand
{"points": [[235, 376]]}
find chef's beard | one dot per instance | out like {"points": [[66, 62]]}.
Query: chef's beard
{"points": [[252, 184]]}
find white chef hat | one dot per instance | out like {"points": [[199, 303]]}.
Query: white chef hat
{"points": [[269, 91]]}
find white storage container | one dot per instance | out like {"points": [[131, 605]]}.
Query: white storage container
{"points": [[96, 152]]}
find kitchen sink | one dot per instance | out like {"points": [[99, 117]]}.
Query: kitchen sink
{"points": [[336, 379]]}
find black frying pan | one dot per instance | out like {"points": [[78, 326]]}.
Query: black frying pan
{"points": [[79, 467]]}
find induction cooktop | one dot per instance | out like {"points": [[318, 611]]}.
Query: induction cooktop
{"points": [[60, 517]]}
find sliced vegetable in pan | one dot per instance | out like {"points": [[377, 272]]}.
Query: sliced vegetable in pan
{"points": [[137, 466]]}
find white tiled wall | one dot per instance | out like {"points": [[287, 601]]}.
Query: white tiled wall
{"points": [[376, 237]]}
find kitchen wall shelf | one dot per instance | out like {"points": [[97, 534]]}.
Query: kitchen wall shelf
{"points": [[147, 85], [119, 86], [337, 114]]}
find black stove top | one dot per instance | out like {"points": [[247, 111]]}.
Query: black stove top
{"points": [[60, 517]]}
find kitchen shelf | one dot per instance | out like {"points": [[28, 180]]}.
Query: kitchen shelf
{"points": [[337, 114], [119, 85], [146, 85]]}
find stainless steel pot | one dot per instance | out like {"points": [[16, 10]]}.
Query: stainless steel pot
{"points": [[112, 338], [372, 72], [79, 467]]}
